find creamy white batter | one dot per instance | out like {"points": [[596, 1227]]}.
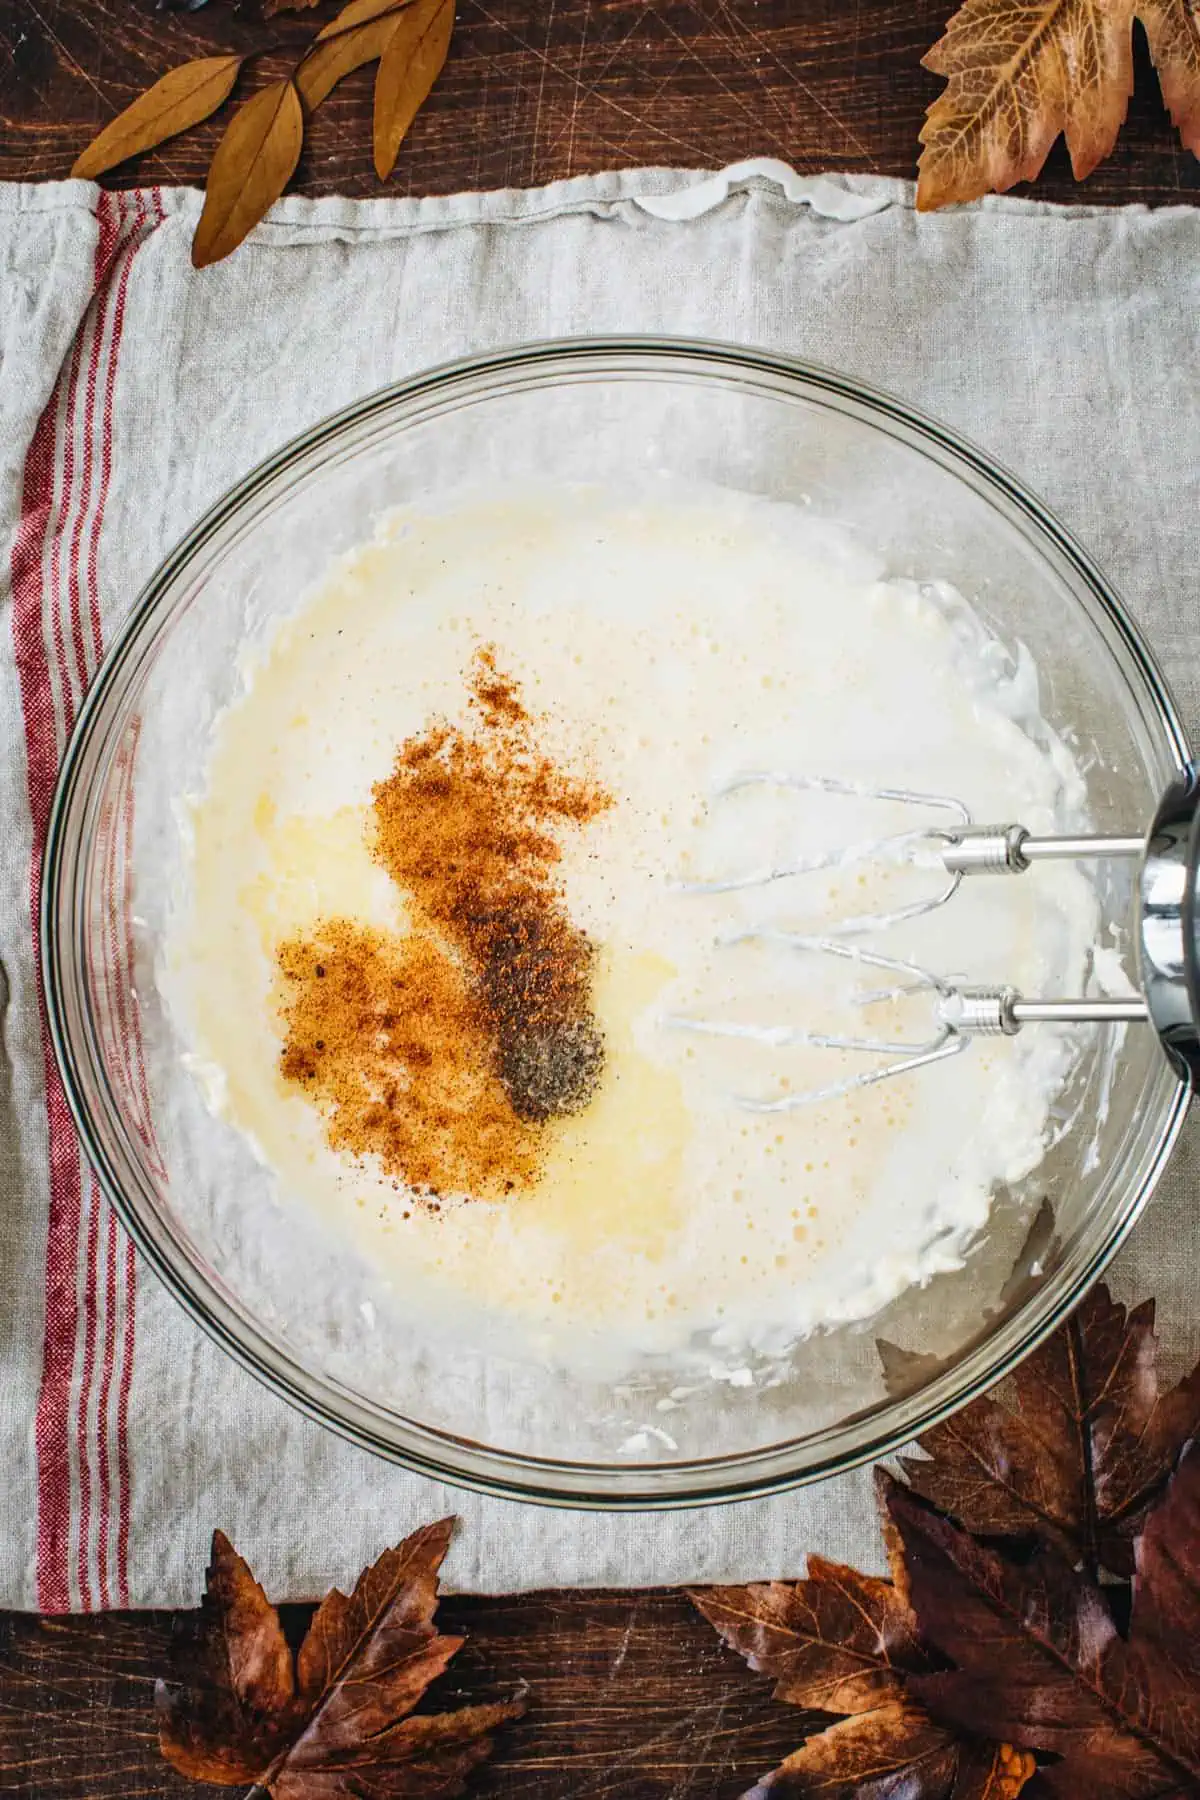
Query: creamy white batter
{"points": [[666, 645]]}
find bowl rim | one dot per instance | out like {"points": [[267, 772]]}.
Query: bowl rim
{"points": [[429, 1450]]}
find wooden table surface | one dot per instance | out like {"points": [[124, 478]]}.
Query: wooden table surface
{"points": [[632, 1696], [539, 89]]}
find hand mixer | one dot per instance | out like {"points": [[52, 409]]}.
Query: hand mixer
{"points": [[1167, 932]]}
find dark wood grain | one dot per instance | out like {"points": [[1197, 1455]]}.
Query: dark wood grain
{"points": [[539, 89], [632, 1697]]}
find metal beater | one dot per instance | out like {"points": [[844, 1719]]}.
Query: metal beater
{"points": [[1167, 932]]}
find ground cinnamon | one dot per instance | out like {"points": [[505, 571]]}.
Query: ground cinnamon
{"points": [[385, 1036], [442, 1054]]}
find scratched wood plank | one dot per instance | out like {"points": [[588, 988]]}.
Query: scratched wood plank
{"points": [[632, 1697], [536, 90]]}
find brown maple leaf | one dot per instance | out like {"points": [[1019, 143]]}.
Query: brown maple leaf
{"points": [[1078, 1446], [336, 1722], [1039, 1661], [1173, 32], [1071, 1465], [1020, 72], [841, 1642]]}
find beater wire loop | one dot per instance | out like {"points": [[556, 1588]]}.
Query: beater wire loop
{"points": [[961, 1011]]}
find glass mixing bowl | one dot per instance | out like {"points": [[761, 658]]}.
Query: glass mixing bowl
{"points": [[190, 1191]]}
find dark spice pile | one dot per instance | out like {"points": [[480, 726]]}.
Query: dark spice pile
{"points": [[443, 1052]]}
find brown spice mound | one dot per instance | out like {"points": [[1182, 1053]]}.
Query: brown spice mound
{"points": [[464, 825], [384, 1035], [443, 1052]]}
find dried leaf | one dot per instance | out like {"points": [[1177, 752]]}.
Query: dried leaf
{"points": [[897, 1753], [865, 1756], [1173, 30], [1077, 1451], [252, 165], [182, 98], [223, 1724], [971, 1659], [835, 1642], [1039, 1661], [360, 12], [991, 1772], [1018, 73], [337, 1724], [333, 57], [842, 1642], [386, 1628], [412, 62], [271, 7]]}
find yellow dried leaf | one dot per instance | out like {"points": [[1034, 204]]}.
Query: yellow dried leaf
{"points": [[253, 164], [1018, 73], [360, 12], [1173, 29], [410, 65], [332, 58], [183, 97]]}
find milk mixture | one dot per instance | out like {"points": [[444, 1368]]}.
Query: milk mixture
{"points": [[436, 957]]}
